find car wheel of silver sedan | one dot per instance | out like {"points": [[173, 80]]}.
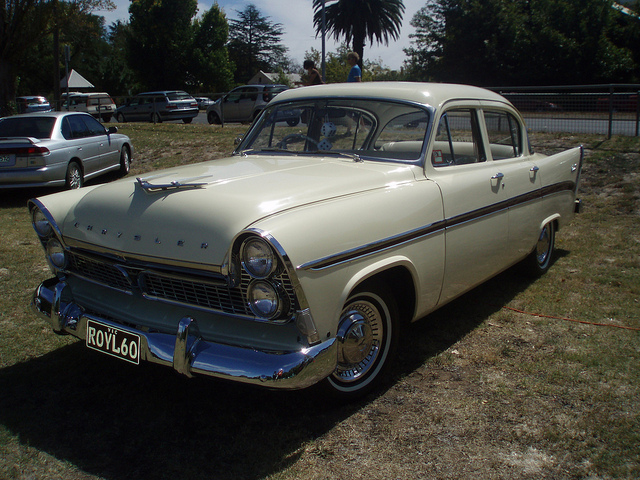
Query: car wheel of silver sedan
{"points": [[539, 260], [74, 178], [125, 160], [367, 339]]}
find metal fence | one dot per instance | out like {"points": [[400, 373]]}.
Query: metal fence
{"points": [[591, 109], [611, 109]]}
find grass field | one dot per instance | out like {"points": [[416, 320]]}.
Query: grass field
{"points": [[517, 379]]}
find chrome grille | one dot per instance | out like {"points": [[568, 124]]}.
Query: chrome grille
{"points": [[214, 297], [100, 272], [188, 288]]}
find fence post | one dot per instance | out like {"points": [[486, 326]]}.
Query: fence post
{"points": [[638, 114], [610, 111]]}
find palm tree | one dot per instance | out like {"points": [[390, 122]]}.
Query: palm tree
{"points": [[357, 20]]}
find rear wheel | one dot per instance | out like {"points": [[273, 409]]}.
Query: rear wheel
{"points": [[367, 339], [539, 261], [212, 117], [74, 178], [187, 120], [125, 160]]}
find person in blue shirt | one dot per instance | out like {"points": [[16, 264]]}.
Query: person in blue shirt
{"points": [[355, 74]]}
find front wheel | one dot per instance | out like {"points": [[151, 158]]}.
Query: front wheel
{"points": [[367, 339], [156, 118], [120, 117]]}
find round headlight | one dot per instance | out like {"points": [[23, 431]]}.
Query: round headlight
{"points": [[41, 223], [258, 258], [56, 253], [265, 300]]}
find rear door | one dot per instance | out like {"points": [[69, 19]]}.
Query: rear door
{"points": [[474, 199], [521, 183]]}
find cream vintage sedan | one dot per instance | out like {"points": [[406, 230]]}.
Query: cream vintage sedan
{"points": [[297, 260]]}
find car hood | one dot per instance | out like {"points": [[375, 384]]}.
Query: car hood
{"points": [[204, 206]]}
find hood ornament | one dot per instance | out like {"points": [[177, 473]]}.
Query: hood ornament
{"points": [[160, 187]]}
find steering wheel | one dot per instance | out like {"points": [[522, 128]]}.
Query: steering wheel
{"points": [[283, 143]]}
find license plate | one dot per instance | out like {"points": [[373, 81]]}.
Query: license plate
{"points": [[7, 160], [113, 341]]}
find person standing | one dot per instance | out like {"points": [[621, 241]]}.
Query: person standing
{"points": [[313, 76], [355, 74]]}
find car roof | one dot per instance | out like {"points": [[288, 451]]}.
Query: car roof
{"points": [[162, 92], [48, 114], [433, 94]]}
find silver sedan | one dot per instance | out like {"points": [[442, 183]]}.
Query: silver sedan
{"points": [[55, 149]]}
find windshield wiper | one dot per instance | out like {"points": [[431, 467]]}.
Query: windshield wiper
{"points": [[353, 156]]}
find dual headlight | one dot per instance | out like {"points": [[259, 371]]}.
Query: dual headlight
{"points": [[267, 298], [55, 251]]}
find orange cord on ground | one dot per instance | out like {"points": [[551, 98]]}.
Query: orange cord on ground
{"points": [[571, 319]]}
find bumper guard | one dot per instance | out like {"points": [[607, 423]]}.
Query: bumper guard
{"points": [[189, 354]]}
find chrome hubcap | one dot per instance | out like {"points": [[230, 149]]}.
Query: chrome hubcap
{"points": [[359, 338], [542, 248]]}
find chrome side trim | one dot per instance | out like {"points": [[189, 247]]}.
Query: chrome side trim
{"points": [[189, 354], [371, 248], [421, 232]]}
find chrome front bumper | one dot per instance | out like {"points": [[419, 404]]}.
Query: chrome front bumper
{"points": [[189, 354]]}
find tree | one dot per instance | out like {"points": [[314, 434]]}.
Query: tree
{"points": [[211, 69], [358, 20], [161, 36], [521, 42], [254, 43], [118, 78], [23, 25]]}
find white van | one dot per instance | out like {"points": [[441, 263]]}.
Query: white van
{"points": [[100, 105]]}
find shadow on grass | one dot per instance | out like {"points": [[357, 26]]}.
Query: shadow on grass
{"points": [[14, 198], [121, 421]]}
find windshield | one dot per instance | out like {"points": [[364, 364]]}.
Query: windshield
{"points": [[37, 127], [367, 128]]}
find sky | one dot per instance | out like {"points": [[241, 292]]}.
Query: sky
{"points": [[296, 17]]}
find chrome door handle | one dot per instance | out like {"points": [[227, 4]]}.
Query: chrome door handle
{"points": [[498, 176], [534, 169]]}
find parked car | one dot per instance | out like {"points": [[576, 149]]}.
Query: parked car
{"points": [[51, 149], [204, 102], [618, 102], [99, 105], [158, 107], [32, 103], [297, 260], [244, 104]]}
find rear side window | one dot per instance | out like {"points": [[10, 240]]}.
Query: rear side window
{"points": [[504, 133], [458, 140]]}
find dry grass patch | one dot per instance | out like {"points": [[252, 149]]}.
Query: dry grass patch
{"points": [[478, 391]]}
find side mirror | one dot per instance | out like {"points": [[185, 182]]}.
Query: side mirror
{"points": [[111, 130]]}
